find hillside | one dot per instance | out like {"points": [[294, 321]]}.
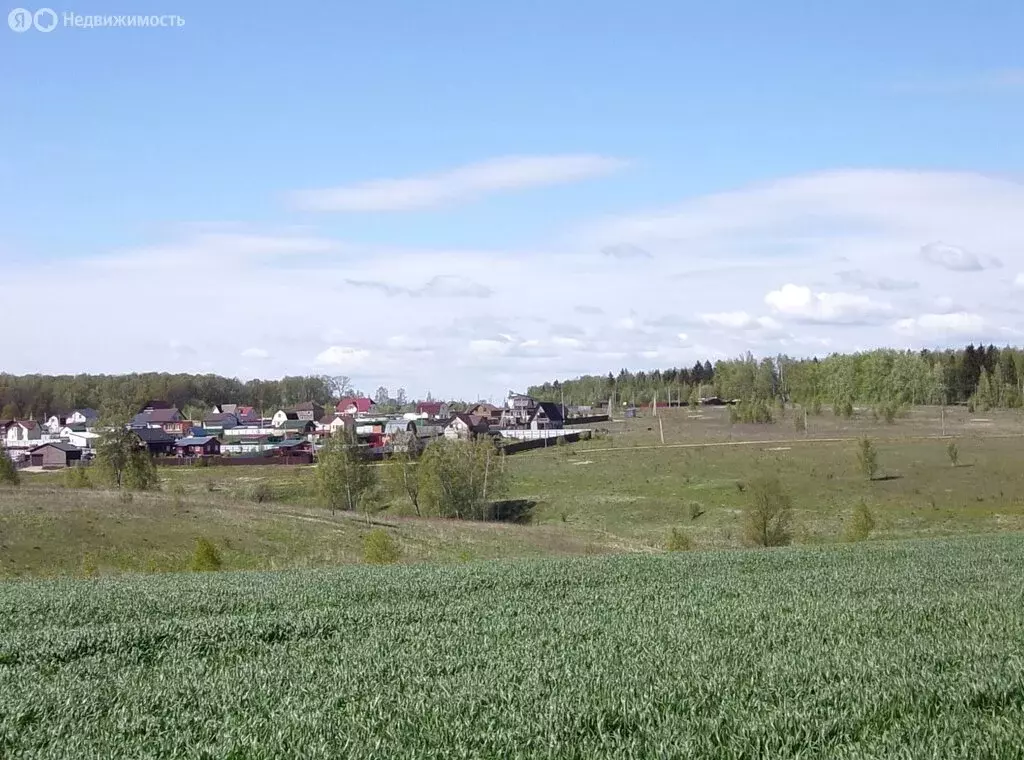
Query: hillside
{"points": [[897, 649]]}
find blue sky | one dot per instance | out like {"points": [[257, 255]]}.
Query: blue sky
{"points": [[773, 145]]}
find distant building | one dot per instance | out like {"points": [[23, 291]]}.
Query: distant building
{"points": [[204, 446], [170, 420], [87, 417], [20, 433], [547, 416], [310, 411], [432, 410], [354, 405], [465, 427], [156, 440], [219, 422], [489, 412], [281, 416], [54, 454]]}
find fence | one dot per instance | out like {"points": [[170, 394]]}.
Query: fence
{"points": [[219, 461], [588, 420], [542, 443]]}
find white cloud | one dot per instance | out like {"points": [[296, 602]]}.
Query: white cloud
{"points": [[732, 248], [462, 184], [342, 357], [957, 259], [800, 302], [1019, 281], [255, 353], [931, 325], [739, 320]]}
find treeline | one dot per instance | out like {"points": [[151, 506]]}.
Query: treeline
{"points": [[981, 376], [33, 396]]}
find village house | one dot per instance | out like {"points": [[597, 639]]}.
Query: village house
{"points": [[354, 405], [308, 411], [464, 427], [204, 446], [54, 454], [295, 428], [156, 441], [489, 412], [54, 424], [86, 417], [83, 439], [432, 410], [21, 433], [519, 408], [169, 420], [218, 422], [281, 416], [330, 424], [547, 416]]}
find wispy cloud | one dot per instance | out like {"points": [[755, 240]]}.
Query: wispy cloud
{"points": [[459, 185], [442, 286], [957, 259]]}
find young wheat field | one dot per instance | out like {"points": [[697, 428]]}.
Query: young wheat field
{"points": [[883, 649]]}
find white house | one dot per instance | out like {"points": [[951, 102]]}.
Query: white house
{"points": [[54, 424], [82, 439], [281, 415], [87, 417], [23, 433], [464, 427]]}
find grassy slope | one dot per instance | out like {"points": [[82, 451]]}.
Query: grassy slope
{"points": [[622, 492], [884, 650]]}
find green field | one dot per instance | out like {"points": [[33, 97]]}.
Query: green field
{"points": [[887, 650], [621, 492]]}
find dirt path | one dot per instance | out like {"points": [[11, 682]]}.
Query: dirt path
{"points": [[787, 442]]}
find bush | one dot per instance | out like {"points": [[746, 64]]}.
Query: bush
{"points": [[125, 497], [766, 521], [867, 458], [379, 548], [800, 421], [76, 477], [679, 541], [953, 452], [843, 409], [754, 411], [887, 411], [261, 492], [861, 524], [205, 557], [8, 472], [695, 509]]}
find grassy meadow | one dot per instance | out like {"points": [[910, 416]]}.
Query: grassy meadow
{"points": [[623, 491], [874, 650]]}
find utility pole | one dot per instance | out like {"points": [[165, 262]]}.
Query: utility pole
{"points": [[661, 429]]}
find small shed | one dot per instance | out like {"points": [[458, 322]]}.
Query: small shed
{"points": [[204, 446], [54, 454]]}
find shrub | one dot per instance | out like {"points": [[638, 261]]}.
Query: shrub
{"points": [[867, 458], [205, 557], [953, 452], [125, 497], [754, 411], [843, 409], [887, 411], [815, 408], [76, 477], [861, 523], [695, 509], [800, 421], [8, 472], [379, 548], [679, 541], [766, 521], [261, 492]]}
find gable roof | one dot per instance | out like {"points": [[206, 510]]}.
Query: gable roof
{"points": [[27, 424], [472, 421], [88, 413], [194, 441], [305, 406], [223, 417], [67, 448], [294, 424], [157, 416], [430, 407], [361, 403], [154, 435], [552, 410]]}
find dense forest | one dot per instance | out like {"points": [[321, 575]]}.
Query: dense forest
{"points": [[982, 376]]}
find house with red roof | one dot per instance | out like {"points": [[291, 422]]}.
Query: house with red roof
{"points": [[433, 410], [354, 405]]}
